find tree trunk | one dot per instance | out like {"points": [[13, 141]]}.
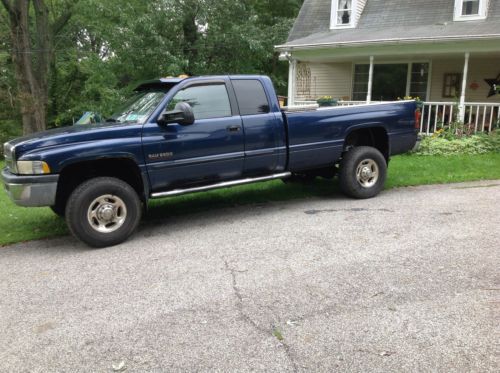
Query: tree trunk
{"points": [[190, 31], [31, 61]]}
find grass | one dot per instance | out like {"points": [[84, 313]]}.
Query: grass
{"points": [[277, 333], [19, 224], [408, 170]]}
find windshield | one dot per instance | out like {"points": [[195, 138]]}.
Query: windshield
{"points": [[138, 108]]}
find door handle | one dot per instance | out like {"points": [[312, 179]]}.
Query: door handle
{"points": [[234, 128]]}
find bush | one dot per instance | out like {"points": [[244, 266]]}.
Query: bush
{"points": [[475, 144], [9, 129]]}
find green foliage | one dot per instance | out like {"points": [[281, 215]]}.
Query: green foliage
{"points": [[9, 129], [449, 145], [108, 47]]}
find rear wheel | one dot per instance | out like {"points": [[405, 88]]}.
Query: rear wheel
{"points": [[363, 171], [103, 211]]}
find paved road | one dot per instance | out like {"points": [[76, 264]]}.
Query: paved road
{"points": [[408, 281]]}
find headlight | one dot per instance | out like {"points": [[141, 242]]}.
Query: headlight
{"points": [[9, 154], [32, 167]]}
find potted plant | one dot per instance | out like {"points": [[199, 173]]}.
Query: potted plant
{"points": [[327, 101]]}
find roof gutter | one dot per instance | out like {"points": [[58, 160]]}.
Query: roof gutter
{"points": [[361, 43]]}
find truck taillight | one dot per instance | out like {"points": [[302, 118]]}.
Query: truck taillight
{"points": [[418, 115]]}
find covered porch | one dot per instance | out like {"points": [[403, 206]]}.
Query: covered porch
{"points": [[455, 80]]}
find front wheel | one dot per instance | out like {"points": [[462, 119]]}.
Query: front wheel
{"points": [[103, 211], [363, 171]]}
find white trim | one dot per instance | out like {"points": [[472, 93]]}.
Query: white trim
{"points": [[370, 81], [334, 9], [428, 39], [458, 17], [429, 81], [408, 78], [292, 72], [464, 88], [370, 104]]}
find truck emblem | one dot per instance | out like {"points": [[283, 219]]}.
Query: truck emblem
{"points": [[157, 156]]}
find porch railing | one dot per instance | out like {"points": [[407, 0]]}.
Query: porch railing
{"points": [[339, 103], [479, 116]]}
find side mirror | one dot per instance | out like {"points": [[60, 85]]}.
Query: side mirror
{"points": [[182, 114]]}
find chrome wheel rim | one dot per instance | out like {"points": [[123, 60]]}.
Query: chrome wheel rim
{"points": [[107, 213], [367, 173]]}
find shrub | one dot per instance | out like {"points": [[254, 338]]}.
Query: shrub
{"points": [[475, 144]]}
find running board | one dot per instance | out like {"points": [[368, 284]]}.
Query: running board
{"points": [[226, 184]]}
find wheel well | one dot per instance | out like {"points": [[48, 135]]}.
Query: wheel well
{"points": [[375, 137], [122, 168]]}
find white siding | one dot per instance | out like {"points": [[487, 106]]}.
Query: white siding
{"points": [[335, 79], [332, 79], [479, 70]]}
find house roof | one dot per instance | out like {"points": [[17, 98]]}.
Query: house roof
{"points": [[390, 20]]}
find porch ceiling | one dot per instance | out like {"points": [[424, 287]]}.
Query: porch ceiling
{"points": [[401, 51]]}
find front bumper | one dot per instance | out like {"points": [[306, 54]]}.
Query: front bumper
{"points": [[31, 191]]}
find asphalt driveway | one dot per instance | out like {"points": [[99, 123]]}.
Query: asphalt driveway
{"points": [[408, 281]]}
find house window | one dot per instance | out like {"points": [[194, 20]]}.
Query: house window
{"points": [[360, 85], [391, 81], [343, 13], [469, 10], [470, 7], [451, 85], [419, 79]]}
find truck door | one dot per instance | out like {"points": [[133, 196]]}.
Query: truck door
{"points": [[265, 138], [210, 150]]}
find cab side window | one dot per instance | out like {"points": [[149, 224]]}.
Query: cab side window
{"points": [[207, 101], [251, 97]]}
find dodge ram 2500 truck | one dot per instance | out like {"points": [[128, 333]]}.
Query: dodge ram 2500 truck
{"points": [[178, 136]]}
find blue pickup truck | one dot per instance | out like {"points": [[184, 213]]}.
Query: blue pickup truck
{"points": [[186, 135]]}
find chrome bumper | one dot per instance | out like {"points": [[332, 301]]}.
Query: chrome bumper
{"points": [[31, 191]]}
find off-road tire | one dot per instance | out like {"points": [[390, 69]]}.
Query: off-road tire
{"points": [[85, 195], [352, 183]]}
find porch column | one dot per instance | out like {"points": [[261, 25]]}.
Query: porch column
{"points": [[370, 82], [461, 107], [292, 78]]}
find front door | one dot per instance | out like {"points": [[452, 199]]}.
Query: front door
{"points": [[210, 150]]}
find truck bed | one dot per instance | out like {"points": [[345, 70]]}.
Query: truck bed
{"points": [[316, 135]]}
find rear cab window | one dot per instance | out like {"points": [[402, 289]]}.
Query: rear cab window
{"points": [[251, 97]]}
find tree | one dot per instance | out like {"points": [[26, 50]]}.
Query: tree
{"points": [[32, 32], [63, 59]]}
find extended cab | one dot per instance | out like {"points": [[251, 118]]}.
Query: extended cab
{"points": [[178, 136]]}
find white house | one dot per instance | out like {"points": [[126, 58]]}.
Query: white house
{"points": [[447, 52]]}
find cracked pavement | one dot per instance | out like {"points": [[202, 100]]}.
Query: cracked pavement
{"points": [[404, 282]]}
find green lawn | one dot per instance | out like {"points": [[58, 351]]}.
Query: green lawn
{"points": [[21, 224]]}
